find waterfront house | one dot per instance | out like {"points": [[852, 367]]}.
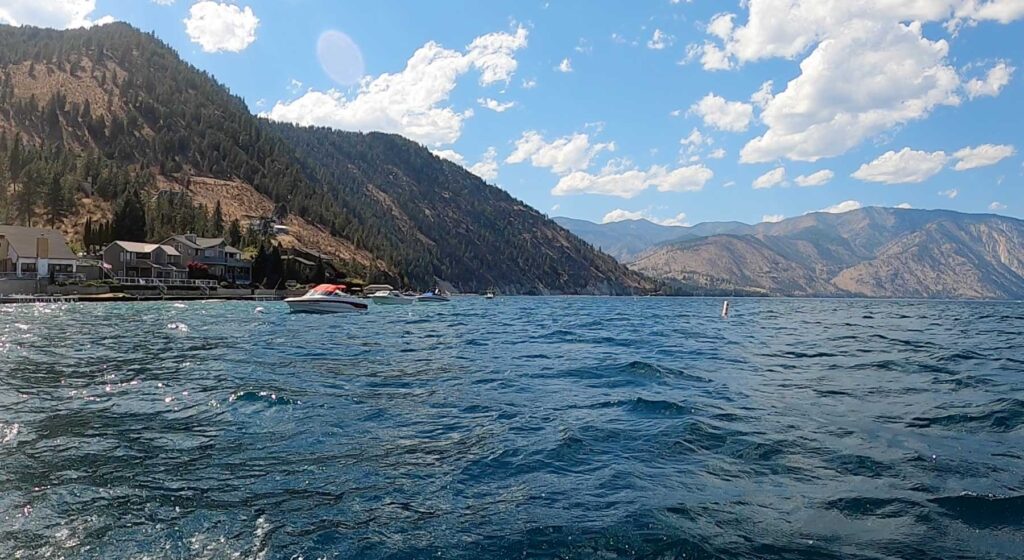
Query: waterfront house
{"points": [[309, 258], [31, 253], [304, 268], [129, 259], [219, 258]]}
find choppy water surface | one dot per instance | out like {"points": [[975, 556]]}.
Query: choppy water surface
{"points": [[518, 427]]}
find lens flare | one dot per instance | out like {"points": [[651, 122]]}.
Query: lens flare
{"points": [[340, 57]]}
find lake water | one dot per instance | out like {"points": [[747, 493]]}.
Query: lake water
{"points": [[517, 427]]}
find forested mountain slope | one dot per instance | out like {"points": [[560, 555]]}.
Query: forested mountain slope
{"points": [[92, 120]]}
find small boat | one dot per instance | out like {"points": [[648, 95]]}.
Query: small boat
{"points": [[489, 295], [326, 298], [432, 297], [392, 297]]}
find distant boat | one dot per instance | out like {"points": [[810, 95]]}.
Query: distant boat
{"points": [[326, 298], [392, 297], [489, 295], [432, 297]]}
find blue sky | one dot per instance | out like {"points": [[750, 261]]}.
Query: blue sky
{"points": [[613, 110]]}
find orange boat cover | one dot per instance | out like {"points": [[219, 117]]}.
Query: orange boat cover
{"points": [[329, 288]]}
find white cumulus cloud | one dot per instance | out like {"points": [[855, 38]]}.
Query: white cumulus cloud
{"points": [[487, 167], [844, 206], [770, 179], [997, 206], [414, 101], [763, 95], [732, 116], [949, 193], [565, 66], [495, 105], [772, 218], [660, 40], [904, 206], [899, 74], [904, 166], [694, 142], [620, 215], [981, 156], [815, 179], [995, 79], [219, 27], [450, 155], [561, 155], [677, 220], [58, 14], [618, 178], [721, 26]]}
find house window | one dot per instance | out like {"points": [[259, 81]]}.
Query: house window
{"points": [[62, 268], [28, 267]]}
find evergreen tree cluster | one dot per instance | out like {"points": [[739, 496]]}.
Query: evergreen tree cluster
{"points": [[39, 186]]}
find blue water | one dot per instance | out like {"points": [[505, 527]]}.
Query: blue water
{"points": [[513, 428]]}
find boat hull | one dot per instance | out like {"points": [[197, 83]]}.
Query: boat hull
{"points": [[432, 299], [325, 305], [392, 300]]}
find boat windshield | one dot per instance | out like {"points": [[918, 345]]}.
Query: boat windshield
{"points": [[326, 290]]}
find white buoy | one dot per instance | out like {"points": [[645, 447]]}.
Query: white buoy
{"points": [[725, 309]]}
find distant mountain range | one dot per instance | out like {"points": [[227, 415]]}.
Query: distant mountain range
{"points": [[628, 239], [873, 252]]}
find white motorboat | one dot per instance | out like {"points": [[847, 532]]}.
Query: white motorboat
{"points": [[432, 297], [489, 295], [392, 297], [326, 298]]}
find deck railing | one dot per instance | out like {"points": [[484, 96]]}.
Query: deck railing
{"points": [[58, 277], [166, 282]]}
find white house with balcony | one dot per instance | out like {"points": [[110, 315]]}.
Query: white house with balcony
{"points": [[30, 253]]}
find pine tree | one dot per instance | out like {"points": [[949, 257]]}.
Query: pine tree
{"points": [[259, 265], [57, 198], [27, 195], [218, 220], [130, 218], [234, 235], [88, 237], [275, 267]]}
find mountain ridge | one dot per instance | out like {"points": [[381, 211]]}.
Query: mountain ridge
{"points": [[872, 252]]}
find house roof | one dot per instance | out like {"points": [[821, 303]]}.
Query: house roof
{"points": [[23, 239], [136, 247], [311, 252], [203, 243], [200, 242], [298, 260]]}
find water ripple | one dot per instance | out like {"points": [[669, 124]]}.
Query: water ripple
{"points": [[518, 427]]}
